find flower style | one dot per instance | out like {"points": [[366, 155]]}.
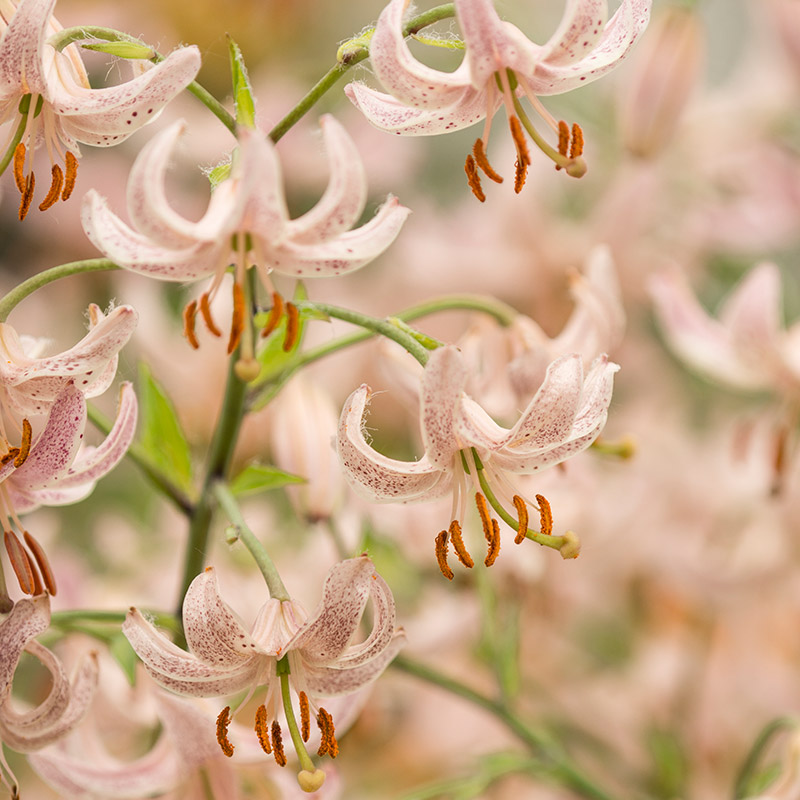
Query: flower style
{"points": [[463, 444], [29, 384], [500, 66], [283, 649], [745, 348], [54, 470], [247, 212], [65, 705], [46, 96]]}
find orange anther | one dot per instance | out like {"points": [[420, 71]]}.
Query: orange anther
{"points": [[474, 179], [19, 167], [305, 716], [223, 720], [519, 140], [24, 445], [494, 544], [458, 545], [522, 515], [27, 197], [483, 162], [328, 744], [277, 744], [292, 327], [237, 323], [20, 562], [205, 310], [54, 192], [563, 138], [71, 165], [441, 555], [576, 144], [189, 314], [262, 729], [275, 314], [545, 515], [41, 562]]}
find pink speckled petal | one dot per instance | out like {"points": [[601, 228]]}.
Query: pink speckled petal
{"points": [[21, 69], [375, 476], [214, 631], [578, 33], [104, 117], [344, 253], [344, 199], [27, 619], [441, 389]]}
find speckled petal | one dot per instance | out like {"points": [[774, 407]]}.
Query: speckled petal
{"points": [[332, 682], [104, 117], [578, 33], [344, 199], [136, 252], [21, 49], [214, 632], [55, 449], [392, 115], [348, 586], [375, 476], [183, 672], [27, 619], [346, 252]]}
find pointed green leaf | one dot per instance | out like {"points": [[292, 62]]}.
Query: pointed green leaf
{"points": [[261, 478], [162, 437], [242, 91], [123, 654]]}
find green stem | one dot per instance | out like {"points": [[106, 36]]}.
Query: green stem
{"points": [[764, 738], [381, 326], [213, 105], [28, 287], [138, 455], [231, 508], [68, 620], [538, 743], [350, 54], [17, 138]]}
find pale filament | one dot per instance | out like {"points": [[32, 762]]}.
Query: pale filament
{"points": [[537, 104]]}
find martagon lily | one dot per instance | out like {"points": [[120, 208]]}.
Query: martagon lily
{"points": [[52, 469], [62, 709], [464, 446], [284, 649], [46, 97], [500, 67], [247, 223]]}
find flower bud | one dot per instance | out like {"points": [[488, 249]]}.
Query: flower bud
{"points": [[668, 67]]}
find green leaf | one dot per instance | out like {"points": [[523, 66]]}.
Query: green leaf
{"points": [[162, 437], [218, 174], [242, 91], [261, 478], [123, 654], [122, 49]]}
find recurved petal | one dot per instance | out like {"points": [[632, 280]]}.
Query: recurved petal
{"points": [[136, 252], [182, 672], [28, 618], [346, 252], [579, 31], [402, 75], [55, 449], [324, 637], [375, 476], [619, 36], [104, 117], [21, 68], [331, 682], [492, 44], [26, 739], [392, 115], [345, 196], [214, 632]]}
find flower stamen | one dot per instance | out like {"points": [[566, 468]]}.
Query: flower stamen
{"points": [[237, 323], [328, 745], [494, 544], [42, 562], [305, 716], [24, 445], [205, 310], [441, 555], [275, 314], [474, 179], [479, 152], [458, 545], [189, 314], [71, 166], [277, 744], [54, 192], [223, 721], [545, 515], [522, 515], [19, 167], [27, 197], [292, 327], [576, 144], [262, 729]]}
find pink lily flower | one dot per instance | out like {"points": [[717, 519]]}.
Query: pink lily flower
{"points": [[501, 66], [30, 730], [464, 446], [285, 650], [30, 383], [247, 215], [55, 470], [63, 109]]}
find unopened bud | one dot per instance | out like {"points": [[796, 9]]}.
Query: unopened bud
{"points": [[132, 50]]}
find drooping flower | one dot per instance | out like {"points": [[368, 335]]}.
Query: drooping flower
{"points": [[62, 709], [500, 67], [284, 650], [53, 469], [247, 222], [464, 446], [46, 97]]}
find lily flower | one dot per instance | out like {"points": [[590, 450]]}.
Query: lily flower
{"points": [[464, 446], [54, 470], [247, 223], [30, 383], [284, 650], [63, 708], [500, 67], [46, 96]]}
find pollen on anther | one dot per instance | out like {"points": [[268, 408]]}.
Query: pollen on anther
{"points": [[486, 518], [458, 545], [275, 314], [545, 515], [262, 729], [520, 175], [20, 562], [27, 197], [441, 555], [305, 716], [328, 744], [205, 310], [223, 721], [522, 516], [473, 179], [277, 744], [494, 544], [42, 562], [19, 167], [237, 323], [292, 327], [189, 314], [71, 165], [519, 140], [576, 143], [482, 161], [563, 138], [24, 445], [56, 181]]}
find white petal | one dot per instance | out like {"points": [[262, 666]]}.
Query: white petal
{"points": [[28, 618], [21, 69]]}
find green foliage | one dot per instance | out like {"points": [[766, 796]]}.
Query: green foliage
{"points": [[261, 478], [242, 91], [162, 439]]}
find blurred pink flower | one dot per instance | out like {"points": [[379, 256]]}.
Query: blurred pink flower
{"points": [[64, 706], [62, 109], [500, 65]]}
